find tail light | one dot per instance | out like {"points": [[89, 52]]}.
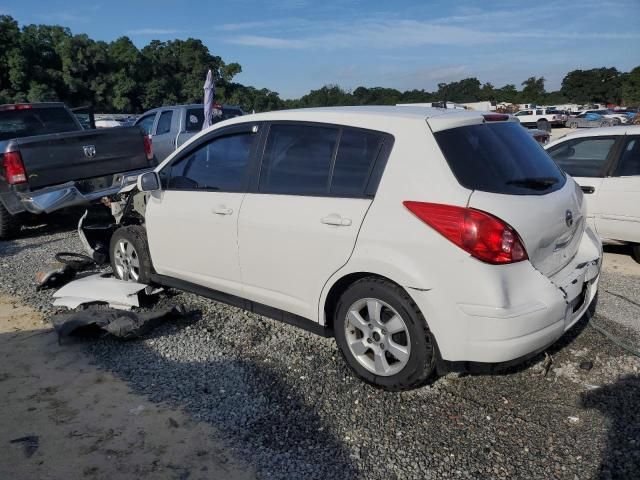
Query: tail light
{"points": [[148, 147], [14, 168], [482, 235]]}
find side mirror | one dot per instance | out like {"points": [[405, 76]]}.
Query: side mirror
{"points": [[148, 182]]}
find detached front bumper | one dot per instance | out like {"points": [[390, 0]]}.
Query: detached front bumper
{"points": [[68, 194]]}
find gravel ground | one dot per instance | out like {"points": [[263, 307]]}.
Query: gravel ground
{"points": [[286, 402]]}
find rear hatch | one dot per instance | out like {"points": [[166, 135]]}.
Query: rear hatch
{"points": [[513, 178], [63, 157]]}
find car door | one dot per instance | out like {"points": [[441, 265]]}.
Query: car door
{"points": [[299, 223], [164, 140], [619, 199], [192, 221], [586, 159]]}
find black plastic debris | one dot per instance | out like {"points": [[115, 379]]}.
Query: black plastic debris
{"points": [[30, 444], [97, 320], [63, 270]]}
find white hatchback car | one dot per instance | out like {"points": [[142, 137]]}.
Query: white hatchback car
{"points": [[422, 239], [606, 164]]}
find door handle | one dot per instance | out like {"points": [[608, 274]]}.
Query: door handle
{"points": [[222, 210], [337, 220], [587, 189]]}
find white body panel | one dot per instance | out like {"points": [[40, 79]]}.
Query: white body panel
{"points": [[287, 253], [193, 236]]}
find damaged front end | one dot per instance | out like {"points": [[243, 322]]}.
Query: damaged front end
{"points": [[101, 220]]}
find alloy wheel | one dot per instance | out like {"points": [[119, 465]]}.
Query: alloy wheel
{"points": [[377, 336], [127, 261]]}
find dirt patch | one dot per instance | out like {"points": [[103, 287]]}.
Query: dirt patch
{"points": [[64, 418]]}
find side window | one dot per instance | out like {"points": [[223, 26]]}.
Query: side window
{"points": [[297, 159], [220, 165], [357, 153], [583, 157], [146, 123], [538, 112], [164, 123], [629, 164], [194, 120]]}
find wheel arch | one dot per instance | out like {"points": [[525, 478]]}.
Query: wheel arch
{"points": [[338, 287]]}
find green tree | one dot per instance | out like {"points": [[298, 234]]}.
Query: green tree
{"points": [[533, 90], [630, 87], [595, 85]]}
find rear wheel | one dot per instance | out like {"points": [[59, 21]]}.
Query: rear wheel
{"points": [[383, 336], [573, 124], [129, 254], [604, 124], [9, 224]]}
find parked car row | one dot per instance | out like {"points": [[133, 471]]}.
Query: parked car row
{"points": [[332, 220]]}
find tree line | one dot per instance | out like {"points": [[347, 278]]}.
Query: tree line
{"points": [[50, 63]]}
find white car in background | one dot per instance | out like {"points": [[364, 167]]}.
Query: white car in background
{"points": [[606, 164], [422, 239], [618, 118]]}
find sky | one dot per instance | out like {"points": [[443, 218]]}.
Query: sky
{"points": [[293, 46]]}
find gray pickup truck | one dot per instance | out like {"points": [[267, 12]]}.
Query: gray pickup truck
{"points": [[171, 126], [49, 162]]}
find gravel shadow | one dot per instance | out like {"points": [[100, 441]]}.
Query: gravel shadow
{"points": [[263, 419], [619, 403]]}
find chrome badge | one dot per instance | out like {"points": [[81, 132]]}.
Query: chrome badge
{"points": [[89, 151]]}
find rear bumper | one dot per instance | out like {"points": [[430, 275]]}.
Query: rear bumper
{"points": [[536, 311], [54, 198]]}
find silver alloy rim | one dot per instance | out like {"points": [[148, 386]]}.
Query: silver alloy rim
{"points": [[377, 336], [126, 261]]}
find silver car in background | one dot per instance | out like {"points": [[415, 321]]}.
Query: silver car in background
{"points": [[589, 120]]}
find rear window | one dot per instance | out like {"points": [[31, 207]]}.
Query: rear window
{"points": [[195, 117], [499, 158], [35, 121]]}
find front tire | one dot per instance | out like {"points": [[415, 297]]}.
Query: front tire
{"points": [[9, 224], [544, 125], [129, 254], [383, 336]]}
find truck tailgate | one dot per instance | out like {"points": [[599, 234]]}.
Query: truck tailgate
{"points": [[63, 157]]}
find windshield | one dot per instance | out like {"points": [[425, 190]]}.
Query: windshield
{"points": [[35, 121], [499, 158]]}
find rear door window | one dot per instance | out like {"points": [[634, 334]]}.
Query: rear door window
{"points": [[499, 158], [219, 165], [297, 159], [629, 164], [583, 157], [357, 153], [195, 119], [164, 123]]}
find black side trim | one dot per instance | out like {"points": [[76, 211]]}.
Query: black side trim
{"points": [[255, 307]]}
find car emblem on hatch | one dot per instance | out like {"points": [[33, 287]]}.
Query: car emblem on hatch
{"points": [[568, 218], [89, 151]]}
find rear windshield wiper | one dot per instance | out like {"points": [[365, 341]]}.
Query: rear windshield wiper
{"points": [[535, 183]]}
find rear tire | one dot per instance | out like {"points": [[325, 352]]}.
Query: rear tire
{"points": [[573, 124], [9, 224], [129, 254], [383, 336]]}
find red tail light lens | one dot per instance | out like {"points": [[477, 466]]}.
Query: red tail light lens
{"points": [[148, 147], [484, 236], [14, 168]]}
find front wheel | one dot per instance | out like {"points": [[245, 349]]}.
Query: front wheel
{"points": [[573, 124], [544, 125], [383, 336], [129, 254]]}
